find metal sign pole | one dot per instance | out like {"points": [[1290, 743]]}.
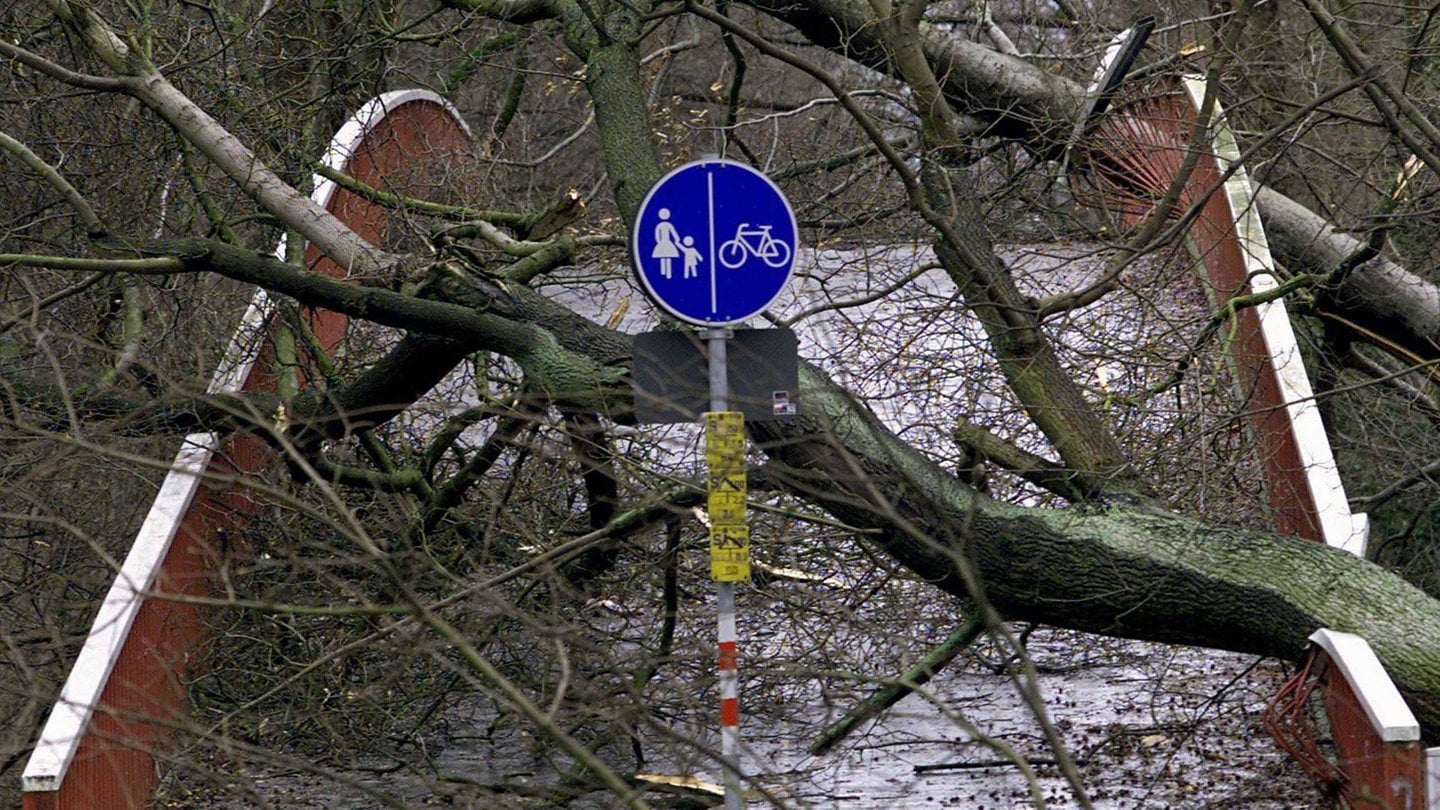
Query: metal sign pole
{"points": [[707, 215], [729, 547], [719, 374]]}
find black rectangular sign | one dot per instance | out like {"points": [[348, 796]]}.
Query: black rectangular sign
{"points": [[672, 375]]}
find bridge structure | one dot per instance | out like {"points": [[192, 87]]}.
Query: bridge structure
{"points": [[1125, 160], [108, 734], [106, 739]]}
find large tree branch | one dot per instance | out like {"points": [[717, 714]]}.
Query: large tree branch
{"points": [[145, 83], [1013, 96], [484, 314], [520, 12], [1393, 308], [1131, 571], [1399, 310], [55, 180]]}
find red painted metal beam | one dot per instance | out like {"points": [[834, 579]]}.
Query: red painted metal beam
{"points": [[1379, 756], [1377, 739], [1130, 160], [105, 742], [1380, 767]]}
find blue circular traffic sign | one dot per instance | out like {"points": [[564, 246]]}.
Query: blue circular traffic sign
{"points": [[714, 242]]}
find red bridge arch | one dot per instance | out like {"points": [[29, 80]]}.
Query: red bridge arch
{"points": [[104, 742]]}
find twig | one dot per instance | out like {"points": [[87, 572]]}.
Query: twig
{"points": [[914, 677], [966, 766]]}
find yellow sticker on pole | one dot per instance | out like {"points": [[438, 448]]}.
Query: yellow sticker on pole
{"points": [[729, 552], [724, 437], [726, 486], [725, 460], [726, 507], [724, 480]]}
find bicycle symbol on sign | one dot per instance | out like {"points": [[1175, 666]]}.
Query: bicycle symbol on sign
{"points": [[756, 242]]}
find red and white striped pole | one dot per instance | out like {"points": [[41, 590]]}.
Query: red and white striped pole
{"points": [[729, 547], [729, 691]]}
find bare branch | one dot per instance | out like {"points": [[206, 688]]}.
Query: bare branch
{"points": [[57, 181]]}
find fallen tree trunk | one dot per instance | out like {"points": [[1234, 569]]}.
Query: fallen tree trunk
{"points": [[1131, 570], [1128, 568], [1377, 299], [1006, 95]]}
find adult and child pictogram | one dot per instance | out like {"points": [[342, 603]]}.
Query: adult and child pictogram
{"points": [[669, 245]]}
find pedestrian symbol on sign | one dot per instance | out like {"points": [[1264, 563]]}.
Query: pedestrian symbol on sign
{"points": [[714, 242], [667, 243], [669, 246]]}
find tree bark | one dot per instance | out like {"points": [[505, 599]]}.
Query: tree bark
{"points": [[1128, 570], [1024, 102], [1391, 306], [1015, 99]]}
